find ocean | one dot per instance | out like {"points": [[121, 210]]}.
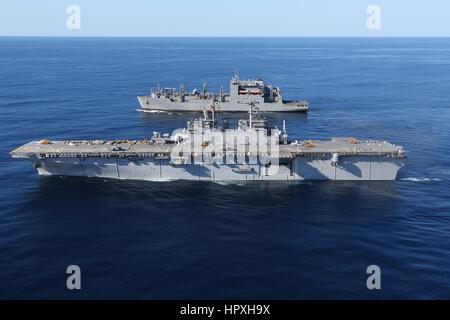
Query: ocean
{"points": [[198, 240]]}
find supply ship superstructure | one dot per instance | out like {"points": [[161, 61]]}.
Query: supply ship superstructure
{"points": [[241, 92], [208, 151]]}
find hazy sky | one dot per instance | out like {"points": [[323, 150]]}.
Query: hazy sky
{"points": [[225, 18]]}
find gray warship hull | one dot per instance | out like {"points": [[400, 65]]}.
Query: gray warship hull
{"points": [[371, 161], [206, 151], [241, 93], [153, 104]]}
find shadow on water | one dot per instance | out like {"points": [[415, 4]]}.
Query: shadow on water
{"points": [[183, 196], [120, 231]]}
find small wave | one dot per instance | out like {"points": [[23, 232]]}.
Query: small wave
{"points": [[159, 111], [151, 111], [165, 180], [440, 171], [413, 179], [230, 182]]}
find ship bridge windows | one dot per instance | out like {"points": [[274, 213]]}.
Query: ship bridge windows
{"points": [[168, 91]]}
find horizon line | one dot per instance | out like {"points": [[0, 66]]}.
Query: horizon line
{"points": [[223, 36]]}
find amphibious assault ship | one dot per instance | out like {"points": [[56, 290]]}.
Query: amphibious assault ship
{"points": [[208, 151], [241, 92]]}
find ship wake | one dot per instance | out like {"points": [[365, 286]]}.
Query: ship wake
{"points": [[415, 179], [157, 111]]}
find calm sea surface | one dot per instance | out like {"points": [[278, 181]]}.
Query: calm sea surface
{"points": [[207, 240]]}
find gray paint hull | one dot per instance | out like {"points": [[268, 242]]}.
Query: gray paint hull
{"points": [[166, 104], [151, 169]]}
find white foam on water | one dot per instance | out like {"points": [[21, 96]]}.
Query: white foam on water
{"points": [[413, 179], [159, 111], [151, 111], [230, 182]]}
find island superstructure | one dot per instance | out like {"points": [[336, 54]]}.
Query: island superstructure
{"points": [[241, 92], [182, 155]]}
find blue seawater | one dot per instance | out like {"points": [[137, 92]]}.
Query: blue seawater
{"points": [[207, 240]]}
